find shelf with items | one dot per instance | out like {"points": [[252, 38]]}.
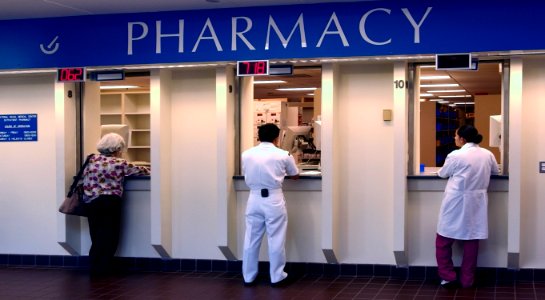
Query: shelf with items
{"points": [[132, 109]]}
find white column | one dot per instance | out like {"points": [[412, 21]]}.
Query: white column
{"points": [[329, 184], [225, 131], [160, 142], [69, 231], [515, 163], [400, 114]]}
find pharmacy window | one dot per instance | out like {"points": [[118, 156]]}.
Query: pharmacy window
{"points": [[122, 107], [293, 103], [447, 99]]}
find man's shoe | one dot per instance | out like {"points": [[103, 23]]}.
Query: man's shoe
{"points": [[282, 283], [251, 283], [450, 285]]}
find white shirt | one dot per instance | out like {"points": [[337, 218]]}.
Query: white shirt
{"points": [[464, 210], [265, 166]]}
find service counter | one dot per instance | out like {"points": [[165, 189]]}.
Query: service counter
{"points": [[304, 206], [424, 195], [136, 224], [498, 183], [306, 225]]}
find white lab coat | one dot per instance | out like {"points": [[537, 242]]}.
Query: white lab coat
{"points": [[264, 167], [464, 210]]}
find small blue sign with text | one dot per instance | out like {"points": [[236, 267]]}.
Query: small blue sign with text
{"points": [[19, 128]]}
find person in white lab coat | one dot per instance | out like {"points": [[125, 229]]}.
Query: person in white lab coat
{"points": [[264, 168], [463, 216]]}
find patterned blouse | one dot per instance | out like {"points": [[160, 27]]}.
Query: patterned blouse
{"points": [[104, 175]]}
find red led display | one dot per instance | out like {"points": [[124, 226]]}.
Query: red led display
{"points": [[71, 74], [252, 67]]}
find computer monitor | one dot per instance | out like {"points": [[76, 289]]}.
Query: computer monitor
{"points": [[317, 135], [495, 131], [291, 133], [121, 129]]}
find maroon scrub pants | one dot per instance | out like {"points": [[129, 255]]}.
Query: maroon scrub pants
{"points": [[445, 267]]}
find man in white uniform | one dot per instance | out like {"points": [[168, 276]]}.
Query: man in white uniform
{"points": [[464, 210], [264, 168]]}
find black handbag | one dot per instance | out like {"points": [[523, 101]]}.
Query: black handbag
{"points": [[73, 204]]}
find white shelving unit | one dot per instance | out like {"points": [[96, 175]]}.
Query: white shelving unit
{"points": [[133, 109]]}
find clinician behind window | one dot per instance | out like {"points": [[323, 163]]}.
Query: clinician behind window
{"points": [[103, 186], [264, 168], [463, 215]]}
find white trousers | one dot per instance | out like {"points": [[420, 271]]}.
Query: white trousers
{"points": [[265, 214]]}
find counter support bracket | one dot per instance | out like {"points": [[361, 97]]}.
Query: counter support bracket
{"points": [[513, 261], [330, 256], [401, 259], [226, 251], [161, 251]]}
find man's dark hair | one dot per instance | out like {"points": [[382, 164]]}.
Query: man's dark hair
{"points": [[268, 132]]}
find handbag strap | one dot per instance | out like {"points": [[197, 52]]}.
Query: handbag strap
{"points": [[79, 175]]}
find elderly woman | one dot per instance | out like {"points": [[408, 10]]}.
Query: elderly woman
{"points": [[103, 190]]}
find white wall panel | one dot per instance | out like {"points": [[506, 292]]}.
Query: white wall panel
{"points": [[533, 151], [28, 204], [366, 162], [194, 155]]}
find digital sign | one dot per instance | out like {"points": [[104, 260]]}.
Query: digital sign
{"points": [[107, 75], [461, 61], [252, 67], [71, 74]]}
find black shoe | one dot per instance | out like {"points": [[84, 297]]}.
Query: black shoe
{"points": [[282, 283], [450, 285], [251, 283]]}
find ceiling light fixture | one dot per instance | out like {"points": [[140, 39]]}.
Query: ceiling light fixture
{"points": [[446, 91], [297, 89], [440, 85], [426, 95], [455, 96], [116, 87], [268, 81], [434, 77]]}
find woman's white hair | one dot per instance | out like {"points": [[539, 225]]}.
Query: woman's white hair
{"points": [[111, 143]]}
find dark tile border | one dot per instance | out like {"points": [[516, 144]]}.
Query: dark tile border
{"points": [[486, 275]]}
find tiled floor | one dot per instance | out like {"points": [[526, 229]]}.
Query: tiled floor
{"points": [[33, 283]]}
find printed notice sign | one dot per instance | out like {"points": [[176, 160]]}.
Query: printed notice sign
{"points": [[19, 128]]}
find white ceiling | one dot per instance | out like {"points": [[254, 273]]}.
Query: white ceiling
{"points": [[25, 9]]}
